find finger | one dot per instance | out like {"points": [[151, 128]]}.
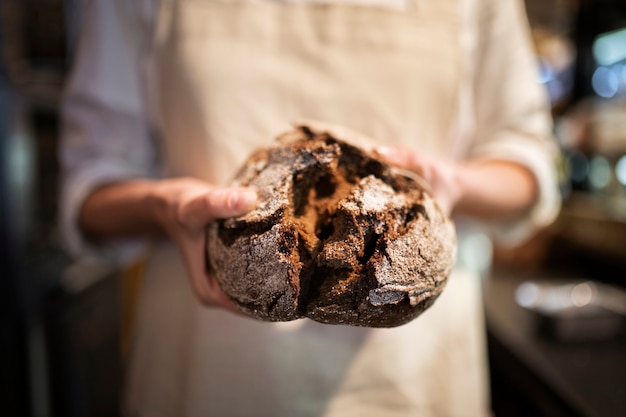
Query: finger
{"points": [[217, 203], [205, 287], [402, 157]]}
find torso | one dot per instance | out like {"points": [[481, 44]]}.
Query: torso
{"points": [[230, 76]]}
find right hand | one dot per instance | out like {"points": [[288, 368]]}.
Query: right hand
{"points": [[184, 207]]}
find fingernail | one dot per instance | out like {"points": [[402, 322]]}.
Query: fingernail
{"points": [[246, 200], [385, 151]]}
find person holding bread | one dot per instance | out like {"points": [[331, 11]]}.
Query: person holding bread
{"points": [[168, 98]]}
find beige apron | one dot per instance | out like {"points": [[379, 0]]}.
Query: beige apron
{"points": [[231, 75]]}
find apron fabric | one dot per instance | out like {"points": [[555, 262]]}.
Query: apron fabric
{"points": [[231, 74], [234, 73]]}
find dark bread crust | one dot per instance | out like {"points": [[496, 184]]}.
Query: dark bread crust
{"points": [[338, 236]]}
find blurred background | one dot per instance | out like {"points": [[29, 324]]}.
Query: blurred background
{"points": [[555, 307]]}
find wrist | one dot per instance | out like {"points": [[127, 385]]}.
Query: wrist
{"points": [[159, 204], [448, 186], [457, 186], [462, 180], [155, 202], [151, 203]]}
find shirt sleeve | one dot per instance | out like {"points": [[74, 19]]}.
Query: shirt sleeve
{"points": [[105, 134], [512, 111]]}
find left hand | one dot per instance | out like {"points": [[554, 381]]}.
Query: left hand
{"points": [[443, 177]]}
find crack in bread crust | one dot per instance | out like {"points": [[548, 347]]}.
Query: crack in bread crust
{"points": [[337, 236]]}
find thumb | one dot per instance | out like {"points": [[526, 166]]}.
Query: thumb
{"points": [[217, 203]]}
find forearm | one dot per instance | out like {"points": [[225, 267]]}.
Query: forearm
{"points": [[495, 189], [123, 209]]}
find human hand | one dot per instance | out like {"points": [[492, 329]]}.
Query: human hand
{"points": [[492, 189], [442, 177], [183, 207]]}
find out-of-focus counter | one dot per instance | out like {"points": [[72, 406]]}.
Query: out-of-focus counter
{"points": [[532, 375]]}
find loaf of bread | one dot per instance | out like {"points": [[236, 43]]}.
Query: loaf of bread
{"points": [[338, 236]]}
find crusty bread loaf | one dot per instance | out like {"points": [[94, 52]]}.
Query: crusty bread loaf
{"points": [[338, 236]]}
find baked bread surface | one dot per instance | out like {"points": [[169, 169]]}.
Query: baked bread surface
{"points": [[338, 236]]}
